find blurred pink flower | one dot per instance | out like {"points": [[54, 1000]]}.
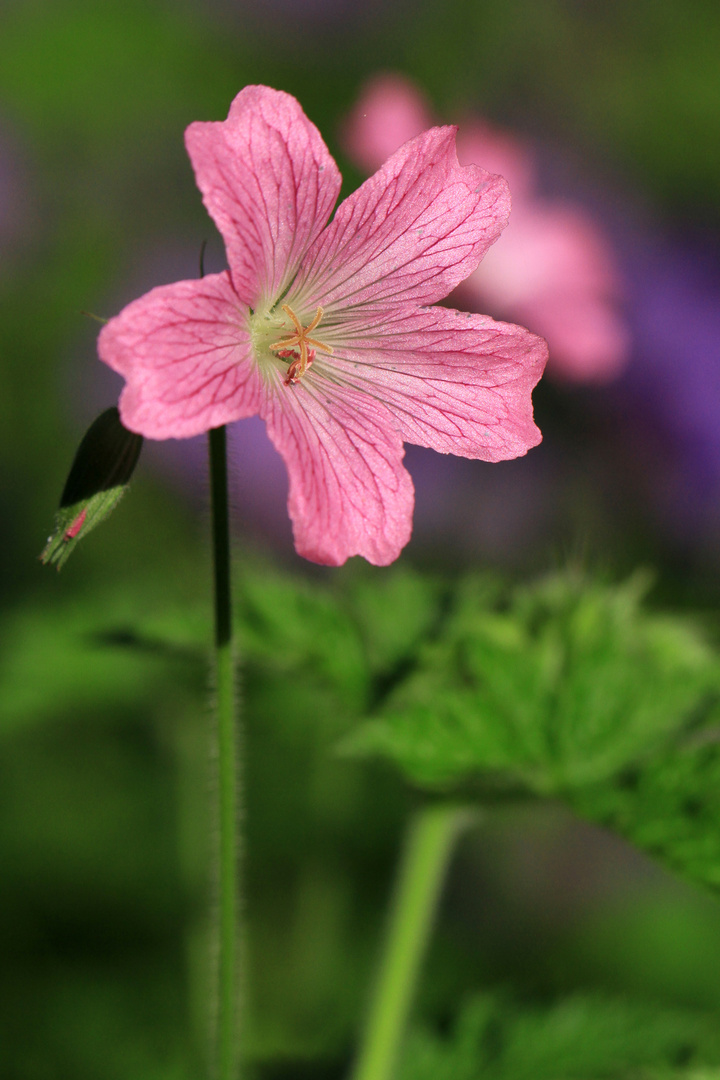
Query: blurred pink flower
{"points": [[324, 329], [552, 269]]}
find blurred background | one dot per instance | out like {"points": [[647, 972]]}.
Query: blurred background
{"points": [[605, 117]]}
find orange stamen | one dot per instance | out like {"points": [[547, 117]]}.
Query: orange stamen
{"points": [[299, 340]]}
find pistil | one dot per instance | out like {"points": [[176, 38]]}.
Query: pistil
{"points": [[301, 341]]}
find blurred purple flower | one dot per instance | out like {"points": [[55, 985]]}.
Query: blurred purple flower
{"points": [[673, 383]]}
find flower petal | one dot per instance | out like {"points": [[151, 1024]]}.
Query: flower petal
{"points": [[349, 491], [269, 183], [411, 232], [456, 382], [184, 350]]}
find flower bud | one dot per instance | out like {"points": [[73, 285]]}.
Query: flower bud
{"points": [[99, 477]]}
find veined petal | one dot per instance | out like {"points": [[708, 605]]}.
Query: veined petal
{"points": [[269, 183], [349, 491], [184, 350], [456, 382], [411, 232]]}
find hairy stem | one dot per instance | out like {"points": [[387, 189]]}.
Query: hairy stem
{"points": [[226, 1049]]}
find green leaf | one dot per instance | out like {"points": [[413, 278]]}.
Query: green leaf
{"points": [[394, 611], [580, 1038], [569, 690], [669, 803], [565, 685], [298, 633]]}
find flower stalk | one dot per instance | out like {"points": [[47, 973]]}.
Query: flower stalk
{"points": [[227, 1031], [426, 854]]}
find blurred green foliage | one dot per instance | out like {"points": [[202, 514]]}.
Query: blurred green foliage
{"points": [[84, 907], [502, 1039]]}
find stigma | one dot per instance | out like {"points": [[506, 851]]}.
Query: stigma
{"points": [[299, 346]]}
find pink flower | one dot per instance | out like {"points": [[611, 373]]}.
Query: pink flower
{"points": [[325, 331], [552, 269]]}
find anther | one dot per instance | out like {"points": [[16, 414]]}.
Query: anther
{"points": [[299, 341]]}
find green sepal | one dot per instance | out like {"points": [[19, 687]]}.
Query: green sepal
{"points": [[98, 479]]}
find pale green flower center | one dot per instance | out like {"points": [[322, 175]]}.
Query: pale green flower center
{"points": [[281, 336]]}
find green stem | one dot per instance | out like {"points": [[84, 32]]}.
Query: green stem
{"points": [[428, 845], [228, 845]]}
